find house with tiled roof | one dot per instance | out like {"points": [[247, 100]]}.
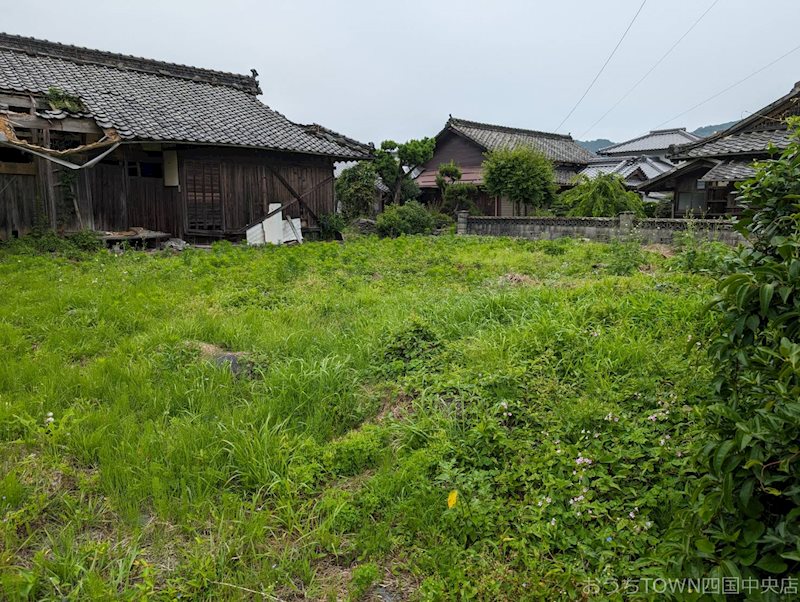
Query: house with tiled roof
{"points": [[96, 140], [466, 143], [640, 159], [656, 143], [704, 183]]}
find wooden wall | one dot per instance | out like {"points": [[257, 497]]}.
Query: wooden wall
{"points": [[116, 195]]}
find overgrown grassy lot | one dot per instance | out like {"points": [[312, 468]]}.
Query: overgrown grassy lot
{"points": [[555, 397]]}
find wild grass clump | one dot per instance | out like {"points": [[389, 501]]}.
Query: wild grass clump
{"points": [[389, 374]]}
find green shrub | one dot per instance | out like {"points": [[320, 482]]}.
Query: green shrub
{"points": [[696, 255], [355, 452], [86, 240], [410, 347], [744, 518], [442, 221], [331, 224], [602, 196], [460, 196], [411, 218], [625, 257], [362, 579]]}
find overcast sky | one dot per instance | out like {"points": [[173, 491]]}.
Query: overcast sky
{"points": [[375, 70]]}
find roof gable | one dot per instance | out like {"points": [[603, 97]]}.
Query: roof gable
{"points": [[155, 101], [559, 148]]}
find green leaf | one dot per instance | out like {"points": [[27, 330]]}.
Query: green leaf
{"points": [[765, 296], [704, 546], [753, 529], [772, 564]]}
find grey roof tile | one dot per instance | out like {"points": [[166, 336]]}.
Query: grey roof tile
{"points": [[558, 148], [730, 171], [151, 100], [756, 141], [656, 140]]}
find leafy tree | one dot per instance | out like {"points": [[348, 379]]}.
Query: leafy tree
{"points": [[602, 196], [449, 173], [522, 175], [355, 189], [746, 513], [395, 164]]}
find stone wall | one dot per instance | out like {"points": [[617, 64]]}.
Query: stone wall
{"points": [[624, 227]]}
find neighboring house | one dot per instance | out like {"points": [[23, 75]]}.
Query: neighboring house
{"points": [[704, 184], [655, 144], [467, 142], [640, 159], [103, 141]]}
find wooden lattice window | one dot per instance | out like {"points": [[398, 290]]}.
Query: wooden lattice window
{"points": [[203, 196]]}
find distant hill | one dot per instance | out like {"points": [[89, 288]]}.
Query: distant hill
{"points": [[595, 145], [708, 130]]}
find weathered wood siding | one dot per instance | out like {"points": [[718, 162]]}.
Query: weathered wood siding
{"points": [[225, 188], [452, 147], [18, 194]]}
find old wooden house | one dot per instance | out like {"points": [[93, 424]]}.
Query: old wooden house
{"points": [[704, 184], [466, 142], [103, 141]]}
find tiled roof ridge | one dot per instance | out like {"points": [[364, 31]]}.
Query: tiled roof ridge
{"points": [[741, 126], [652, 133], [321, 131], [80, 54], [455, 121], [670, 130]]}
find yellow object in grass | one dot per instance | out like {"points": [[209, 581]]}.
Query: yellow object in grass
{"points": [[452, 499]]}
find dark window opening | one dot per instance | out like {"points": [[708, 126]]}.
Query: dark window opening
{"points": [[145, 169], [12, 155]]}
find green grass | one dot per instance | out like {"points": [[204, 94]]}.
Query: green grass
{"points": [[385, 373]]}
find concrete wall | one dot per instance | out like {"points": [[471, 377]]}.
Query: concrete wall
{"points": [[626, 226]]}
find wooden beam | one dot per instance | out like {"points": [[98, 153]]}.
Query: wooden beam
{"points": [[68, 124], [293, 192], [18, 169], [18, 100]]}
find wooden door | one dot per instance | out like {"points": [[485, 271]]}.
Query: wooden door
{"points": [[203, 197]]}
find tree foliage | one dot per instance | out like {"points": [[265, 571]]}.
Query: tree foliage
{"points": [[746, 517], [395, 164], [449, 173], [602, 196], [522, 175], [355, 190], [460, 196]]}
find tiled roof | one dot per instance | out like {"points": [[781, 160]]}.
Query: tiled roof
{"points": [[628, 168], [750, 142], [558, 148], [656, 140], [157, 101], [730, 171], [751, 135]]}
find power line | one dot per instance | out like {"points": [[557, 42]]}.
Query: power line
{"points": [[733, 85], [653, 68], [608, 60]]}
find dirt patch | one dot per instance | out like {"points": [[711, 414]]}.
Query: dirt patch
{"points": [[240, 363], [659, 249], [395, 405], [514, 278]]}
